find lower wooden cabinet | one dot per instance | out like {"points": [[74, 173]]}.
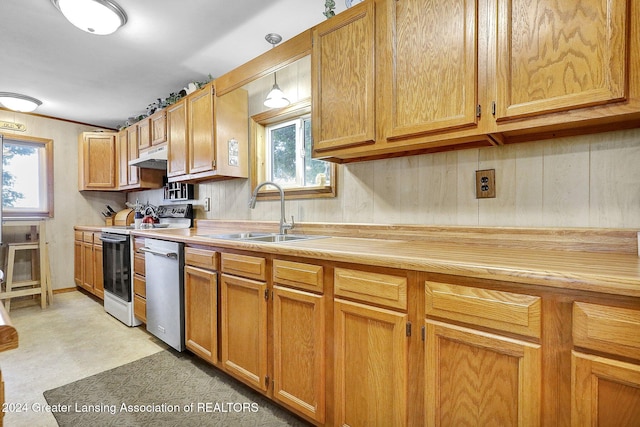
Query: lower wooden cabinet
{"points": [[476, 378], [87, 261], [605, 392], [298, 351], [201, 312], [334, 344], [77, 258], [371, 348], [139, 281], [244, 329], [88, 269], [605, 389], [98, 272]]}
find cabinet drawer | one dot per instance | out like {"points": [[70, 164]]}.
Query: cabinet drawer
{"points": [[87, 236], [610, 329], [78, 235], [506, 311], [140, 308], [201, 258], [138, 264], [139, 286], [244, 265], [137, 244], [384, 289], [298, 275]]}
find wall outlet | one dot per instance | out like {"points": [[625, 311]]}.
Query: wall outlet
{"points": [[207, 204], [486, 184]]}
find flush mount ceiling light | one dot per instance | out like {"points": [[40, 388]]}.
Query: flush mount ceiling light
{"points": [[100, 17], [275, 98], [18, 102]]}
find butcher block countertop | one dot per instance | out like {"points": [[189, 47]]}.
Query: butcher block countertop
{"points": [[597, 260]]}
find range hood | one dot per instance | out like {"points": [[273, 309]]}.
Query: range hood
{"points": [[156, 158]]}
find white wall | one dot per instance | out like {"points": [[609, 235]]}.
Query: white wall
{"points": [[71, 207]]}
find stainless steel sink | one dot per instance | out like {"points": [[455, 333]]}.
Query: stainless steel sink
{"points": [[252, 236], [274, 238], [238, 236]]}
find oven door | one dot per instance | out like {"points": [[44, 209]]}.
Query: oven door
{"points": [[116, 262]]}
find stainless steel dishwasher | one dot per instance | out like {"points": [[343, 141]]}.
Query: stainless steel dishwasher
{"points": [[164, 265]]}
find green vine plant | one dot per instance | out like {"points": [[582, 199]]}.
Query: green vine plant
{"points": [[162, 103], [329, 5]]}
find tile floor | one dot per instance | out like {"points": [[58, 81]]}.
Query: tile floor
{"points": [[71, 339]]}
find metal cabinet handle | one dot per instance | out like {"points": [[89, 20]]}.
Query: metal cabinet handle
{"points": [[171, 255]]}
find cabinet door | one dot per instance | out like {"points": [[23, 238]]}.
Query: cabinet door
{"points": [[132, 144], [98, 272], [557, 56], [98, 151], [244, 329], [371, 365], [299, 359], [604, 392], [177, 139], [123, 159], [343, 79], [431, 62], [87, 264], [201, 312], [77, 262], [477, 378], [202, 155], [144, 134], [158, 127]]}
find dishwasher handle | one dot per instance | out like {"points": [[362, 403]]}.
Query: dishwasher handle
{"points": [[171, 255]]}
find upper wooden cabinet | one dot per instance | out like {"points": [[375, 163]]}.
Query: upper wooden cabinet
{"points": [[132, 177], [144, 134], [343, 57], [429, 67], [133, 173], [578, 57], [208, 136], [465, 74], [152, 130], [158, 127], [177, 137], [97, 161]]}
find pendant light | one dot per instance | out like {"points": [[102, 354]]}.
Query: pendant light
{"points": [[275, 98], [100, 17], [19, 102]]}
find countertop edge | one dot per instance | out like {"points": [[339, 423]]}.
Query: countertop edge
{"points": [[570, 278]]}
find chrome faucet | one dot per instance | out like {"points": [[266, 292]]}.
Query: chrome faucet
{"points": [[284, 225]]}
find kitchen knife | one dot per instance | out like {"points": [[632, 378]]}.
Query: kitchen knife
{"points": [[110, 209]]}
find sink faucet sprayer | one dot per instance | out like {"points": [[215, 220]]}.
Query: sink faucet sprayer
{"points": [[284, 226]]}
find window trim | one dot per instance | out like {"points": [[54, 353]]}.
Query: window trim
{"points": [[258, 125], [48, 147]]}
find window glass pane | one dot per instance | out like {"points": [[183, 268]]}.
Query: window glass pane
{"points": [[283, 156], [316, 172], [24, 187]]}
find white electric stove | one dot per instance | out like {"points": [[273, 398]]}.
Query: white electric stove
{"points": [[117, 256]]}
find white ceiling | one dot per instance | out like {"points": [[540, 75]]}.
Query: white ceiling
{"points": [[103, 80]]}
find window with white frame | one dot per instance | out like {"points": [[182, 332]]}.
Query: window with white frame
{"points": [[27, 177], [289, 161]]}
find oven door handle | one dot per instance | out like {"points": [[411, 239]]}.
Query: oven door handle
{"points": [[171, 255], [113, 239]]}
